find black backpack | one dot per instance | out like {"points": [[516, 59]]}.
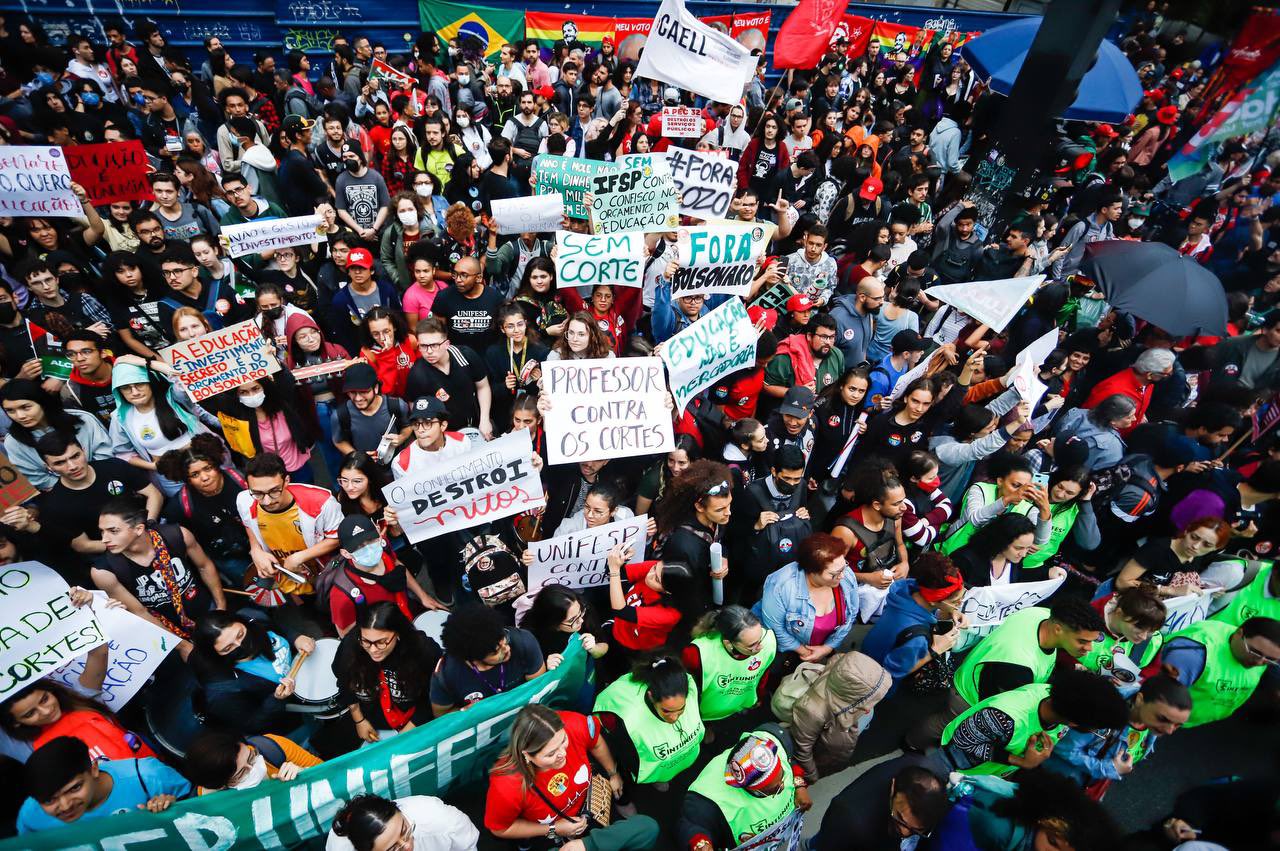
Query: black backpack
{"points": [[492, 570], [1112, 480]]}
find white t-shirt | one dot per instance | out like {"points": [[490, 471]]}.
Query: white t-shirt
{"points": [[436, 827], [146, 429]]}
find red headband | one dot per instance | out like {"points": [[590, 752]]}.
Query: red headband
{"points": [[933, 595]]}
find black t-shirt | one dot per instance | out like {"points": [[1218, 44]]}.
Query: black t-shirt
{"points": [[470, 319], [301, 186], [67, 513], [456, 683], [213, 520], [149, 584], [98, 400], [147, 318], [456, 388], [1161, 564], [408, 694], [17, 348]]}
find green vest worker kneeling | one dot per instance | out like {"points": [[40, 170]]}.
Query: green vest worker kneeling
{"points": [[652, 727], [730, 655], [751, 791], [1222, 664], [1018, 729]]}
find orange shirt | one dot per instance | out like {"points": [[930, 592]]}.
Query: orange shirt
{"points": [[105, 738]]}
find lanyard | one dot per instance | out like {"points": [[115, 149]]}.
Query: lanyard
{"points": [[502, 678]]}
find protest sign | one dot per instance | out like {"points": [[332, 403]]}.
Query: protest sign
{"points": [[491, 481], [605, 408], [717, 259], [706, 180], [35, 181], [775, 297], [685, 52], [570, 176], [56, 365], [681, 122], [135, 648], [531, 214], [15, 489], [112, 171], [634, 198], [1026, 368], [1182, 611], [583, 260], [993, 303], [577, 560], [719, 343], [221, 360], [432, 758], [987, 607], [39, 628], [266, 234], [380, 70]]}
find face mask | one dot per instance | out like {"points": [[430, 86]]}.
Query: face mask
{"points": [[273, 313], [8, 312], [423, 191], [256, 774], [784, 488], [90, 99], [351, 165], [254, 401], [44, 78], [370, 555], [139, 100], [407, 218], [463, 121], [864, 721], [463, 79], [1136, 223]]}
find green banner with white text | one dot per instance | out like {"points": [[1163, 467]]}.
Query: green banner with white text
{"points": [[457, 748]]}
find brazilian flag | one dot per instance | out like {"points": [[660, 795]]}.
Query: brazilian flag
{"points": [[490, 27]]}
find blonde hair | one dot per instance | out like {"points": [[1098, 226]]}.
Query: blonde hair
{"points": [[534, 726]]}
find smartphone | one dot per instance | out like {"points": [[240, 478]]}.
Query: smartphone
{"points": [[943, 627], [1041, 480]]}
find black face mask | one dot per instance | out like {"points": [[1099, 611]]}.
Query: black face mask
{"points": [[784, 488], [8, 312], [273, 313], [351, 165]]}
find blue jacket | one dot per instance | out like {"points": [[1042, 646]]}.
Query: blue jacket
{"points": [[901, 611], [786, 609], [1086, 757], [668, 318]]}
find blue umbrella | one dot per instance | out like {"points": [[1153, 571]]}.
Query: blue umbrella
{"points": [[1109, 91]]}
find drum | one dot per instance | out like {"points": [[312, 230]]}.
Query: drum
{"points": [[432, 623], [316, 688]]}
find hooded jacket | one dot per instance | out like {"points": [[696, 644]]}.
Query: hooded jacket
{"points": [[824, 721], [93, 396], [328, 352], [900, 613], [125, 443], [853, 330]]}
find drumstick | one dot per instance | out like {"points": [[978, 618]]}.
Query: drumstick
{"points": [[297, 665], [226, 590]]}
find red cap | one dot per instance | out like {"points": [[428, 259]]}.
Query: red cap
{"points": [[545, 92], [770, 316], [799, 303], [1167, 114], [607, 40], [1176, 73], [1106, 130], [871, 189], [360, 257], [1155, 94]]}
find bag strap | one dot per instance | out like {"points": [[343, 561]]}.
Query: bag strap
{"points": [[918, 630], [556, 809]]}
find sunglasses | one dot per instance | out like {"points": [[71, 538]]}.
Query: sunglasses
{"points": [[717, 489]]}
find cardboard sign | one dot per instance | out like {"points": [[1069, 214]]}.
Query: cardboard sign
{"points": [[606, 408], [531, 214], [706, 180], [682, 51], [110, 172], [717, 259], [15, 489], [264, 235], [584, 261], [681, 122], [634, 198], [993, 303], [380, 70], [135, 648], [492, 481], [222, 360], [35, 181], [987, 607], [569, 176], [719, 343], [39, 628], [577, 560], [1026, 368]]}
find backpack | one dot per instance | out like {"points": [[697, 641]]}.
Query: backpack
{"points": [[883, 556], [492, 570], [399, 412], [953, 264], [1112, 480], [334, 575]]}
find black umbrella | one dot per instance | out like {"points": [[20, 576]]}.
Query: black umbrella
{"points": [[1154, 282]]}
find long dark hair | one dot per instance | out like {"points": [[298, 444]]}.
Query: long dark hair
{"points": [[413, 659], [363, 820], [678, 504], [170, 425], [380, 312], [550, 608], [67, 699], [373, 471], [690, 447], [991, 539], [278, 401], [55, 414], [682, 591], [206, 661]]}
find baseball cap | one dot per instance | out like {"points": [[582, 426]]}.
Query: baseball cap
{"points": [[770, 316], [428, 408], [1154, 94], [1106, 131], [606, 40], [360, 257], [296, 122], [359, 376], [907, 340], [670, 95], [545, 92], [1070, 451], [794, 103], [798, 402], [1167, 114], [355, 531], [871, 189], [799, 303]]}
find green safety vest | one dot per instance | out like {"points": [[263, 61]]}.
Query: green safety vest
{"points": [[1251, 601], [1225, 684], [729, 684], [961, 536], [746, 814], [1015, 642], [1099, 658], [1060, 526], [664, 749], [1023, 706]]}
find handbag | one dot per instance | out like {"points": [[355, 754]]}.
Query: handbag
{"points": [[792, 688], [938, 674], [597, 807]]}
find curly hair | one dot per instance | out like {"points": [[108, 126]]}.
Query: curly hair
{"points": [[459, 221], [687, 491]]}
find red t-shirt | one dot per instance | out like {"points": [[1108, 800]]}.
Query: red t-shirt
{"points": [[739, 396], [647, 621], [344, 608], [565, 787], [105, 739]]}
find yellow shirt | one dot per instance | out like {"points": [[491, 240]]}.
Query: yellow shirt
{"points": [[282, 534]]}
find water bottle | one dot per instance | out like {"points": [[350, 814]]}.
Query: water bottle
{"points": [[717, 585]]}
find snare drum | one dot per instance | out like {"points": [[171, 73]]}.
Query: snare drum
{"points": [[432, 623], [316, 688]]}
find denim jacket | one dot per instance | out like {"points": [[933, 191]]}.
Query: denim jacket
{"points": [[787, 610]]}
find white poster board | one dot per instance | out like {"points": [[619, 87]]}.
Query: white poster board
{"points": [[717, 259], [640, 197], [583, 260], [722, 342], [221, 360], [530, 214], [135, 647], [577, 560], [35, 181], [268, 234], [40, 630], [606, 408], [986, 608]]}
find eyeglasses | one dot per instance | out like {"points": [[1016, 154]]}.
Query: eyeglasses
{"points": [[911, 829], [378, 644], [717, 490], [431, 347], [274, 493], [170, 274], [1261, 657], [575, 621], [343, 481], [239, 190]]}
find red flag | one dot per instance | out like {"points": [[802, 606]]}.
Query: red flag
{"points": [[806, 33]]}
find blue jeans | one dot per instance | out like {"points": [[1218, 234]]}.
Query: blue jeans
{"points": [[332, 457]]}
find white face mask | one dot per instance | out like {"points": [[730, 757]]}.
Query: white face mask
{"points": [[1136, 223], [864, 721], [257, 773], [423, 191], [463, 121], [463, 79], [254, 400], [408, 217]]}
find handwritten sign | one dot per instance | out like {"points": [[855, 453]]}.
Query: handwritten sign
{"points": [[265, 235], [316, 370], [221, 360], [110, 172], [577, 560], [706, 180], [584, 261], [39, 628], [719, 343], [35, 181], [380, 70], [606, 408], [987, 607], [681, 122], [1184, 610], [717, 259], [569, 176], [532, 214], [135, 648], [634, 198], [14, 487], [993, 303], [492, 481]]}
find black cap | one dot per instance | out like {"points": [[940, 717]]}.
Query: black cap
{"points": [[359, 376], [355, 531], [428, 408], [798, 402], [907, 340]]}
